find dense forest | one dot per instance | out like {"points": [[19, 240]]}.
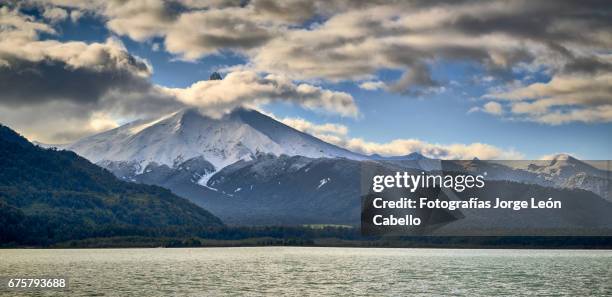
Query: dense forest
{"points": [[49, 196]]}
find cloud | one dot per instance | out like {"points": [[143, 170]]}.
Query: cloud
{"points": [[290, 11], [140, 20], [315, 129], [415, 81], [248, 88], [56, 91], [493, 108], [556, 156], [290, 46], [82, 88], [408, 36], [489, 107], [56, 122], [353, 40], [565, 98], [193, 29], [602, 114], [457, 151], [55, 14], [338, 134], [229, 28], [35, 71], [372, 85], [105, 76], [75, 15]]}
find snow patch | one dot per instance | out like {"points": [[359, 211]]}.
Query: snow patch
{"points": [[137, 129], [203, 181], [323, 182]]}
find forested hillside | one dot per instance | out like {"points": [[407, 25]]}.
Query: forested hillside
{"points": [[48, 196]]}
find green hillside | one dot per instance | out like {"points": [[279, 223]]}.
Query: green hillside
{"points": [[49, 196]]}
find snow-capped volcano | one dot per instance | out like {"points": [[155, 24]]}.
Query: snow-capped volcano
{"points": [[175, 138]]}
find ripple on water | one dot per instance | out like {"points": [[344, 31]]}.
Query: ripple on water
{"points": [[318, 271]]}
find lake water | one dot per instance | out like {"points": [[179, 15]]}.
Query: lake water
{"points": [[306, 271]]}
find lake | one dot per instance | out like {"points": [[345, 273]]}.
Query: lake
{"points": [[304, 271]]}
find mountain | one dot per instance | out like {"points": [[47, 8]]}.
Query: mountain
{"points": [[182, 151], [410, 157], [296, 190], [49, 196], [173, 139], [582, 212], [249, 169], [565, 171], [265, 190], [288, 191], [564, 166]]}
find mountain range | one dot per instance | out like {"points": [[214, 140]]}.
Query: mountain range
{"points": [[250, 169]]}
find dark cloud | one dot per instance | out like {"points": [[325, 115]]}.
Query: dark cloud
{"points": [[499, 35], [414, 82], [588, 65], [296, 11], [27, 82]]}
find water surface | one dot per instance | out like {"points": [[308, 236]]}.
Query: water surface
{"points": [[307, 271]]}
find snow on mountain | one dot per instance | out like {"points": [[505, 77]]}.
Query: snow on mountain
{"points": [[564, 166], [565, 171], [180, 136]]}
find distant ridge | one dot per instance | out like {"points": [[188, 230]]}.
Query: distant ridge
{"points": [[410, 157]]}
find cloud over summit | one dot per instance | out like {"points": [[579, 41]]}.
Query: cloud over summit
{"points": [[84, 82], [541, 61]]}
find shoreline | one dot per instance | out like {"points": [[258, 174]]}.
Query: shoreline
{"points": [[510, 243]]}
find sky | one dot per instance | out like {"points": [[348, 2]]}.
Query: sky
{"points": [[447, 79]]}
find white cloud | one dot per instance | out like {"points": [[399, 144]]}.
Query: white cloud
{"points": [[372, 85], [239, 88], [140, 20], [601, 114], [457, 151], [56, 122], [229, 28], [315, 129], [491, 107], [191, 29], [564, 99], [75, 15], [55, 14], [556, 156], [338, 134]]}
